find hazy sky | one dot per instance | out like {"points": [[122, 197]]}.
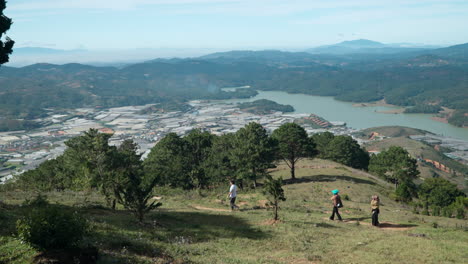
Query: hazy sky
{"points": [[125, 24]]}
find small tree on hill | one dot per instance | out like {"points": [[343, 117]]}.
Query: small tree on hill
{"points": [[293, 144], [6, 47], [395, 165], [134, 189], [274, 191]]}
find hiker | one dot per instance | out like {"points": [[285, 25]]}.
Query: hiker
{"points": [[233, 194], [336, 204], [375, 202]]}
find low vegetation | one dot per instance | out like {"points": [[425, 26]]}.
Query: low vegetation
{"points": [[197, 226], [171, 207], [264, 106]]}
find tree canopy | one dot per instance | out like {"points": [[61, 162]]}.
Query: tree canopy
{"points": [[346, 150], [6, 46], [395, 165], [253, 152], [293, 144]]}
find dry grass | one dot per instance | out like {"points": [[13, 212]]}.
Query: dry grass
{"points": [[200, 228]]}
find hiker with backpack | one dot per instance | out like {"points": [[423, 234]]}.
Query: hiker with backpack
{"points": [[336, 204], [375, 203]]}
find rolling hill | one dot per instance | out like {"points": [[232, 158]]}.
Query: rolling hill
{"points": [[197, 227], [440, 77]]}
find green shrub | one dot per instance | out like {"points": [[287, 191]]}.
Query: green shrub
{"points": [[38, 201], [447, 211], [425, 211], [436, 210], [346, 197], [460, 212], [405, 192], [51, 228]]}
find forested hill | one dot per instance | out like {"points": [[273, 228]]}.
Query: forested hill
{"points": [[437, 77]]}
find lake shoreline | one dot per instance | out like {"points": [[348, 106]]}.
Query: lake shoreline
{"points": [[358, 115]]}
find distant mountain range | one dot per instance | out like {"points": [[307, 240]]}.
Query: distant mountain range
{"points": [[413, 77], [44, 51], [367, 46]]}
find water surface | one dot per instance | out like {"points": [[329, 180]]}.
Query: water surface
{"points": [[358, 117]]}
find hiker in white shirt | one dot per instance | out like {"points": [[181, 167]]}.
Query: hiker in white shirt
{"points": [[233, 194]]}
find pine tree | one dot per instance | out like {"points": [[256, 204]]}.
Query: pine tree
{"points": [[293, 145], [6, 46], [275, 193]]}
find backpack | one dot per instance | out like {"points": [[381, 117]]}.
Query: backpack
{"points": [[339, 204]]}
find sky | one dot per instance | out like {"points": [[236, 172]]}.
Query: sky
{"points": [[232, 24]]}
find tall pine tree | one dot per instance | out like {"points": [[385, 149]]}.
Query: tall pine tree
{"points": [[6, 46]]}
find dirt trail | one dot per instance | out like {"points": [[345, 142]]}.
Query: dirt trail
{"points": [[382, 225], [210, 209]]}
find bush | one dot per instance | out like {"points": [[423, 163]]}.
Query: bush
{"points": [[51, 228], [38, 201], [459, 206], [346, 197], [405, 192], [460, 213], [447, 211], [436, 210]]}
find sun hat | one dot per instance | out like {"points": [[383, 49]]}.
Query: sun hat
{"points": [[335, 191]]}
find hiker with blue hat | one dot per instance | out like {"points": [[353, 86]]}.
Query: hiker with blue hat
{"points": [[336, 204]]}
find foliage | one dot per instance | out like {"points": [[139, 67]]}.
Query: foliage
{"points": [[424, 108], [219, 166], [275, 193], [199, 145], [406, 191], [168, 162], [38, 201], [459, 118], [15, 125], [52, 228], [6, 47], [460, 206], [253, 152], [438, 191], [346, 150], [293, 144], [395, 165], [322, 140], [50, 175], [91, 156], [264, 106], [13, 251], [134, 188]]}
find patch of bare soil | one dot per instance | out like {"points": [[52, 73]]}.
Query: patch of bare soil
{"points": [[383, 225], [210, 209], [263, 203], [242, 203]]}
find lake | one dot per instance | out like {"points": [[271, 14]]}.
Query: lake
{"points": [[358, 117]]}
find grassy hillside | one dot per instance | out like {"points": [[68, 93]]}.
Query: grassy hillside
{"points": [[197, 227], [419, 149]]}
